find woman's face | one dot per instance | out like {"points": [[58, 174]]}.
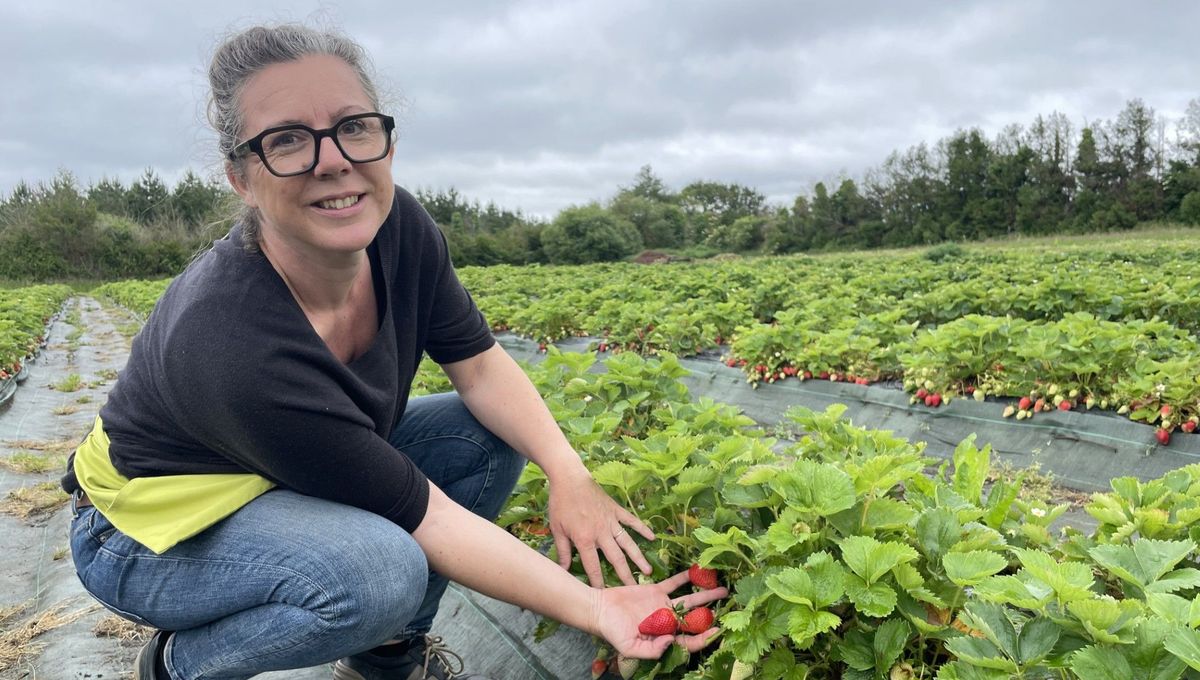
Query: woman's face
{"points": [[297, 212]]}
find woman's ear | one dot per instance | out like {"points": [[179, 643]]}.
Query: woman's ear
{"points": [[240, 186]]}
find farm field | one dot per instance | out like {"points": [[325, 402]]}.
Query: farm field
{"points": [[849, 551]]}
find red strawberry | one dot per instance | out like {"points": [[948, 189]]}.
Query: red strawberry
{"points": [[697, 621], [1163, 436], [929, 400], [1064, 405], [603, 347], [970, 389], [824, 375], [598, 667], [922, 393], [718, 340], [1024, 404], [541, 347], [660, 622], [807, 375], [731, 363], [703, 578], [1039, 405], [1188, 426], [1165, 410]]}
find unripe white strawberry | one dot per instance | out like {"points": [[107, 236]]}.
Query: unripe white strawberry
{"points": [[1123, 410], [1073, 393], [626, 666], [979, 395], [1010, 410], [740, 671]]}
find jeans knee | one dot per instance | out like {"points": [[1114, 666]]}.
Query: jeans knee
{"points": [[509, 463], [385, 592]]}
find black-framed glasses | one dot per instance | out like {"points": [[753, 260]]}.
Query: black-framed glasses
{"points": [[290, 150]]}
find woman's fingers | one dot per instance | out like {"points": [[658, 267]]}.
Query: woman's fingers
{"points": [[631, 548], [634, 522], [703, 597], [591, 565], [616, 557], [694, 643], [562, 545], [673, 583]]}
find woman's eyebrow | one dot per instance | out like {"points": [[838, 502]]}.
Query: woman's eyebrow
{"points": [[337, 115]]}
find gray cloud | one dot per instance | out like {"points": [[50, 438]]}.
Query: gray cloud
{"points": [[537, 106]]}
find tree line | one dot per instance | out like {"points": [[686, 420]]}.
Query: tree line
{"points": [[108, 230], [1046, 177]]}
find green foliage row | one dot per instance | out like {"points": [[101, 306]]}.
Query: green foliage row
{"points": [[138, 296], [846, 559], [24, 314]]}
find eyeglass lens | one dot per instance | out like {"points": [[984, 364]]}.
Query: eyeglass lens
{"points": [[295, 151]]}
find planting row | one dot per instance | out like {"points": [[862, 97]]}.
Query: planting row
{"points": [[710, 299], [845, 560], [1087, 328], [137, 296], [24, 315]]}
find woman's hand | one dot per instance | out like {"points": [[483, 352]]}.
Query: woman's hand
{"points": [[621, 609], [583, 516]]}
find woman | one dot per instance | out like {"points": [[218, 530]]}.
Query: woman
{"points": [[258, 487]]}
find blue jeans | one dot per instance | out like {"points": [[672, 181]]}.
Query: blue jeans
{"points": [[293, 581]]}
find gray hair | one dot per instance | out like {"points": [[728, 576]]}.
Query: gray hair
{"points": [[242, 55]]}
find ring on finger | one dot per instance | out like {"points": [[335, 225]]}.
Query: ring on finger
{"points": [[619, 533]]}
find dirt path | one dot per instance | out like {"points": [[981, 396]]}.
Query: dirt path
{"points": [[47, 416]]}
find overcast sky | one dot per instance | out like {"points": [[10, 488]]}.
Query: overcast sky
{"points": [[541, 105]]}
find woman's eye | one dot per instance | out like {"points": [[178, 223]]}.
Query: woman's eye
{"points": [[285, 140], [352, 127]]}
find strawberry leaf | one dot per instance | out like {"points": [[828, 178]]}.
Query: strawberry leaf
{"points": [[877, 599], [1014, 591], [969, 568], [804, 625], [971, 467], [889, 642], [980, 653], [957, 670], [992, 620], [937, 530], [871, 559], [1185, 644], [817, 488], [1038, 636], [1143, 562], [1101, 663], [1147, 655]]}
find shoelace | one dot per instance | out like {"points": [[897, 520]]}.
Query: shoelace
{"points": [[435, 648]]}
